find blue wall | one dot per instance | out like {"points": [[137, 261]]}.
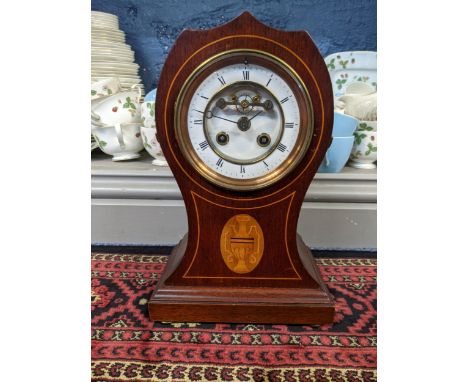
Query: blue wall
{"points": [[152, 26]]}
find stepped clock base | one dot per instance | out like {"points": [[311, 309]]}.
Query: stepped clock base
{"points": [[247, 305]]}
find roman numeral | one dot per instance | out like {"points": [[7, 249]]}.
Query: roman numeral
{"points": [[198, 121], [289, 125], [221, 79], [266, 164], [219, 163], [242, 169], [245, 74], [203, 145], [281, 147], [285, 99], [269, 81]]}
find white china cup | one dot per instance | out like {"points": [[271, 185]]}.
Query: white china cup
{"points": [[122, 140], [148, 133], [364, 152], [123, 107], [105, 88]]}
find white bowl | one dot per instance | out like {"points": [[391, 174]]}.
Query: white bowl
{"points": [[364, 152]]}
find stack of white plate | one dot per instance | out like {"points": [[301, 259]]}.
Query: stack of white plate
{"points": [[110, 55]]}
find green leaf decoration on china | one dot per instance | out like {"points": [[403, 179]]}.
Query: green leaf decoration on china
{"points": [[93, 92], [343, 63], [100, 142], [372, 149], [359, 137], [109, 91], [364, 127], [145, 142], [331, 64], [129, 104], [356, 155], [151, 107], [340, 83]]}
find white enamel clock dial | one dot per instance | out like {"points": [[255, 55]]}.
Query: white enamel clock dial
{"points": [[243, 120]]}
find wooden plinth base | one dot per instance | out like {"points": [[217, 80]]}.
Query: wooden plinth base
{"points": [[241, 304]]}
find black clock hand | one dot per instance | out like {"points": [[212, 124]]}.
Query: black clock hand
{"points": [[229, 120], [210, 115], [256, 115]]}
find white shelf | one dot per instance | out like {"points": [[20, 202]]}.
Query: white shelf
{"points": [[135, 202], [139, 179]]}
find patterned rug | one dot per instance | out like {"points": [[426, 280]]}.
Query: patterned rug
{"points": [[127, 346]]}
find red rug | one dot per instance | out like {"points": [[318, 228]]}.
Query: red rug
{"points": [[127, 346]]}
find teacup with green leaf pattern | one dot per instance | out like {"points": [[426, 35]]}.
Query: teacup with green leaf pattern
{"points": [[104, 88], [123, 107], [364, 152]]}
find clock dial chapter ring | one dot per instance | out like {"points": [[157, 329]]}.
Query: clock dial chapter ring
{"points": [[292, 154], [245, 120]]}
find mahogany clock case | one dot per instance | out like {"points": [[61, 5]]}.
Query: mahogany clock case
{"points": [[285, 286]]}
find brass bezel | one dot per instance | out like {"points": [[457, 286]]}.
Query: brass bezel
{"points": [[297, 153]]}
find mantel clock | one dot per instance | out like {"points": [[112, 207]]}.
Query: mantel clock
{"points": [[244, 115]]}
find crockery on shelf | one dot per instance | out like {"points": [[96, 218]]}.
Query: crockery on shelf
{"points": [[148, 129], [152, 146], [337, 154], [122, 140], [364, 152], [151, 96], [343, 125], [346, 68], [148, 114], [123, 107], [107, 31], [105, 87], [110, 55]]}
